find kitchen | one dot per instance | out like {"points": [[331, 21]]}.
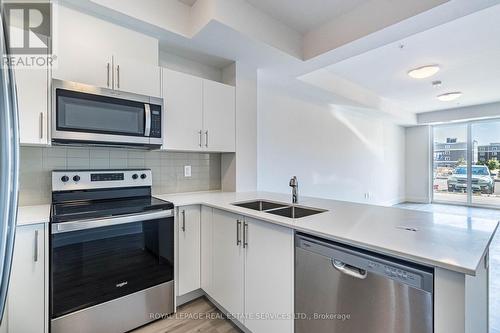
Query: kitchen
{"points": [[242, 157]]}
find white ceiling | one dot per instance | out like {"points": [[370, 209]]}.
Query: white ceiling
{"points": [[467, 49], [303, 16]]}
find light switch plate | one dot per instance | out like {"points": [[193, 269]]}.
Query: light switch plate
{"points": [[187, 171]]}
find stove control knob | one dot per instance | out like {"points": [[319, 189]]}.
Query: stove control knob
{"points": [[64, 179], [135, 176], [76, 178], [143, 176]]}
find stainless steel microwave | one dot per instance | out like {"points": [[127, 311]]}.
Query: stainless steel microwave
{"points": [[83, 114]]}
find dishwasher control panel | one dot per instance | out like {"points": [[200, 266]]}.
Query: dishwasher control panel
{"points": [[395, 273]]}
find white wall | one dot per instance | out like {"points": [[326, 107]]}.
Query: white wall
{"points": [[335, 152], [239, 170], [483, 111], [180, 64], [418, 164]]}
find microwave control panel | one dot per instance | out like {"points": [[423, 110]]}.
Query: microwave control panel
{"points": [[155, 121]]}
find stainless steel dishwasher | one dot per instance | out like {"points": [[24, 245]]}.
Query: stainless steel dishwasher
{"points": [[340, 289]]}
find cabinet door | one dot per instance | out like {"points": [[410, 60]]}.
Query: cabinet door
{"points": [[26, 300], [182, 98], [269, 274], [82, 64], [189, 249], [32, 97], [136, 77], [206, 249], [218, 116], [83, 48], [228, 263]]}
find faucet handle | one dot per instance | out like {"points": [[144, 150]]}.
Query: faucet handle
{"points": [[293, 181]]}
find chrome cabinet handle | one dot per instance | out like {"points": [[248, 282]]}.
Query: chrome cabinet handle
{"points": [[112, 72], [199, 133], [118, 76], [35, 255], [245, 235], [183, 221], [238, 232], [107, 81], [41, 125], [206, 138], [344, 268]]}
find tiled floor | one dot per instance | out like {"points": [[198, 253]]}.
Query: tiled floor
{"points": [[494, 250]]}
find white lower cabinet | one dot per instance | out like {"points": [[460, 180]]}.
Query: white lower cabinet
{"points": [[251, 269], [228, 263], [269, 273], [206, 249], [189, 249], [26, 305]]}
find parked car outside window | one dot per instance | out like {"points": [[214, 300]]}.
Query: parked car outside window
{"points": [[482, 181]]}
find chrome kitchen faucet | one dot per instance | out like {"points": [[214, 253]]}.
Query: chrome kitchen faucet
{"points": [[294, 184]]}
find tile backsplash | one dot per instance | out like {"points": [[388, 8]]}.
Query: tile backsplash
{"points": [[167, 167]]}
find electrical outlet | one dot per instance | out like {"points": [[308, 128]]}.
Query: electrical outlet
{"points": [[187, 171]]}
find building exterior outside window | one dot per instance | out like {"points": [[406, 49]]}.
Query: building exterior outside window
{"points": [[490, 152]]}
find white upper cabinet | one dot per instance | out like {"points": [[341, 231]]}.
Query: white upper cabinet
{"points": [[219, 116], [182, 121], [32, 100], [131, 75], [82, 64], [99, 53], [199, 114], [189, 249]]}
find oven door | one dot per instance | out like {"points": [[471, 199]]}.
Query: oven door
{"points": [[92, 262], [82, 113]]}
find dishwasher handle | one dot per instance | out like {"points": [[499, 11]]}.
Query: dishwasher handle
{"points": [[344, 268]]}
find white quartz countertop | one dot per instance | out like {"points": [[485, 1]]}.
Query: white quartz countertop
{"points": [[27, 215], [452, 242]]}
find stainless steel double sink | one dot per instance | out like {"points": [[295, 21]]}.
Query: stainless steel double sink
{"points": [[279, 208]]}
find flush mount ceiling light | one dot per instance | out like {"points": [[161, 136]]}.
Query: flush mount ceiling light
{"points": [[449, 96], [423, 72]]}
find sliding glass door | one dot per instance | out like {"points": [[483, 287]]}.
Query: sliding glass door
{"points": [[450, 163], [486, 142], [465, 163]]}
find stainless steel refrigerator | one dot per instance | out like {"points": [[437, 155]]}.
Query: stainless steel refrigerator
{"points": [[9, 165]]}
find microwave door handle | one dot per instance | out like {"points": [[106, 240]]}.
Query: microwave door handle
{"points": [[147, 113]]}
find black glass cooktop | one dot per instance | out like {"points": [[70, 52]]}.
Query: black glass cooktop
{"points": [[89, 209]]}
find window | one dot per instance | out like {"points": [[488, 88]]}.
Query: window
{"points": [[467, 173]]}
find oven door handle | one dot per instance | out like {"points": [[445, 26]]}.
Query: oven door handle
{"points": [[62, 227], [147, 116]]}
